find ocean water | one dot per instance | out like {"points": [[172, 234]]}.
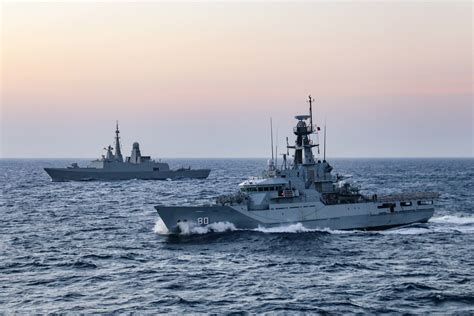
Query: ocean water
{"points": [[96, 247]]}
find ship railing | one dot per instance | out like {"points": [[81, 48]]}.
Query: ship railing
{"points": [[408, 196]]}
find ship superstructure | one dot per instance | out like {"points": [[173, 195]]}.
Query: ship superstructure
{"points": [[112, 166], [303, 191]]}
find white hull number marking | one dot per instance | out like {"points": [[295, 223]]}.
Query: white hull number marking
{"points": [[203, 220]]}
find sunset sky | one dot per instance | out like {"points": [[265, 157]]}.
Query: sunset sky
{"points": [[392, 79]]}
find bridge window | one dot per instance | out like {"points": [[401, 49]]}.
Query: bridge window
{"points": [[261, 189]]}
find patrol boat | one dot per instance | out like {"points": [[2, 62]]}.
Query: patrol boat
{"points": [[303, 191], [113, 167]]}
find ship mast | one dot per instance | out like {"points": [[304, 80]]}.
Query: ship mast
{"points": [[324, 156], [271, 136], [303, 144], [118, 152], [311, 100]]}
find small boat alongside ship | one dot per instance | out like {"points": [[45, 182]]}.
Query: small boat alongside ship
{"points": [[303, 191], [112, 166]]}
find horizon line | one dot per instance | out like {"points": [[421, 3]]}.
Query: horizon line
{"points": [[336, 157]]}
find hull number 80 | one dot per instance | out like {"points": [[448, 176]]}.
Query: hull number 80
{"points": [[203, 220]]}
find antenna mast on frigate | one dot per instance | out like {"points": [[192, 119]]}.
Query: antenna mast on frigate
{"points": [[324, 156], [271, 136], [311, 100], [118, 152]]}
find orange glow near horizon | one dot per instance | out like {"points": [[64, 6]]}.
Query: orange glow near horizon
{"points": [[69, 64]]}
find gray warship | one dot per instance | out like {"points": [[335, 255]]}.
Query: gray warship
{"points": [[112, 166], [303, 191]]}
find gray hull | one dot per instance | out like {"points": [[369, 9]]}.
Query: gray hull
{"points": [[90, 174], [360, 217]]}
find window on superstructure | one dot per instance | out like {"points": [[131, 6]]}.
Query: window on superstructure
{"points": [[425, 202]]}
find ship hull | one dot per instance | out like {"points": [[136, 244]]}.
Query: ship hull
{"points": [[360, 216], [92, 174]]}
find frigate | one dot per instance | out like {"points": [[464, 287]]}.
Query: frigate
{"points": [[112, 166], [303, 191]]}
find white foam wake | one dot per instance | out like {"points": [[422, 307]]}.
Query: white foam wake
{"points": [[191, 228], [451, 219], [293, 228], [405, 231], [160, 227], [441, 224], [299, 228]]}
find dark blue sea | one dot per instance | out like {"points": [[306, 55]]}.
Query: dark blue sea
{"points": [[99, 247]]}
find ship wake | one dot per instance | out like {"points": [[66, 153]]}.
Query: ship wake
{"points": [[190, 228], [299, 228]]}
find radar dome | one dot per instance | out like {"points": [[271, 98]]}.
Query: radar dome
{"points": [[135, 145]]}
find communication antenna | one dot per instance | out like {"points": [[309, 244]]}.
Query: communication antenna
{"points": [[271, 135], [276, 149], [287, 146], [324, 155], [310, 101]]}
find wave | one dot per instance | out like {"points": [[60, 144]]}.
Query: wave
{"points": [[452, 219], [441, 224], [299, 228], [406, 231], [190, 228], [160, 227], [292, 228]]}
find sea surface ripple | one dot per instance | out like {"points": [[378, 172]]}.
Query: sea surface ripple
{"points": [[96, 247]]}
